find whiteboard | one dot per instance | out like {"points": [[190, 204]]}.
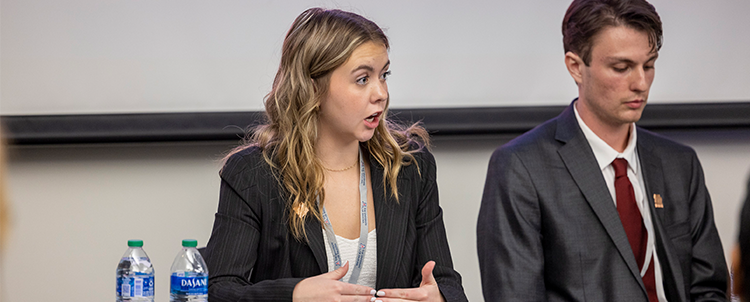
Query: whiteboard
{"points": [[146, 56]]}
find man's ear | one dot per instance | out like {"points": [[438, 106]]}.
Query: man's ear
{"points": [[575, 65]]}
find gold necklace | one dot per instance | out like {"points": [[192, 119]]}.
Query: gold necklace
{"points": [[339, 170]]}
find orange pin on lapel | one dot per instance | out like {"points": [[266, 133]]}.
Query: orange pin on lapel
{"points": [[658, 202]]}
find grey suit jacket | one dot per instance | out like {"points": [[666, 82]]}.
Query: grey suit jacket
{"points": [[252, 256], [548, 229]]}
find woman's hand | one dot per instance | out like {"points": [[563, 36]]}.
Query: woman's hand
{"points": [[327, 287], [427, 290]]}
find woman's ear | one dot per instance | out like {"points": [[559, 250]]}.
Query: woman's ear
{"points": [[319, 99], [575, 66]]}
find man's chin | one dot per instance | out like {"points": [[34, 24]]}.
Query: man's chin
{"points": [[632, 116]]}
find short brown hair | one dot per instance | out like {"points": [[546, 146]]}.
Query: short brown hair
{"points": [[586, 18]]}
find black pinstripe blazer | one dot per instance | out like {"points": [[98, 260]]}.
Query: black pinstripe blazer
{"points": [[252, 256]]}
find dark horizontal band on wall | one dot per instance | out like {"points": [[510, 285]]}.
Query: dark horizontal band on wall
{"points": [[217, 126]]}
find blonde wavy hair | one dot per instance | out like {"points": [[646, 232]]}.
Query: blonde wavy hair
{"points": [[4, 215], [318, 42]]}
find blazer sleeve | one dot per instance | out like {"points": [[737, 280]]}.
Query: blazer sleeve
{"points": [[232, 250], [432, 241], [708, 267], [509, 240]]}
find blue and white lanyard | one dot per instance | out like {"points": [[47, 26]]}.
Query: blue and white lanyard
{"points": [[363, 228]]}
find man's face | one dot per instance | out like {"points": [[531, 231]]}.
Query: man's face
{"points": [[613, 89]]}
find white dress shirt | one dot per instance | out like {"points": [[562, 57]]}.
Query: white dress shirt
{"points": [[604, 156]]}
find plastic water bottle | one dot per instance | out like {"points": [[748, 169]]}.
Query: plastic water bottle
{"points": [[189, 279], [135, 275]]}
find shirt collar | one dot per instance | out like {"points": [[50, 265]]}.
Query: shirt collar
{"points": [[603, 152]]}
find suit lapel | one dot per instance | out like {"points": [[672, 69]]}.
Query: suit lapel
{"points": [[577, 156], [315, 241], [654, 183], [390, 221]]}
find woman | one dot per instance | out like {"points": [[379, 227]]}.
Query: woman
{"points": [[330, 189]]}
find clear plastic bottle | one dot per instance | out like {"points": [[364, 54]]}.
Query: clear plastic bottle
{"points": [[135, 275], [189, 275]]}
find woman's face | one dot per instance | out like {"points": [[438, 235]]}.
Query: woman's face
{"points": [[357, 95]]}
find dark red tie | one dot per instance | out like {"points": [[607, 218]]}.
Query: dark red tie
{"points": [[633, 223]]}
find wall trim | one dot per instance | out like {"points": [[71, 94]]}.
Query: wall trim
{"points": [[223, 126]]}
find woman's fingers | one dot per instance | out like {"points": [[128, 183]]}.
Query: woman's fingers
{"points": [[327, 287], [427, 277], [338, 273], [427, 291], [357, 290], [402, 294]]}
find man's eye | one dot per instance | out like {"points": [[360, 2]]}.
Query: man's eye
{"points": [[618, 69]]}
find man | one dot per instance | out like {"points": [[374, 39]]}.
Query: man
{"points": [[741, 254], [588, 206]]}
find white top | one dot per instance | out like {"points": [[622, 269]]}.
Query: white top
{"points": [[604, 156], [348, 249]]}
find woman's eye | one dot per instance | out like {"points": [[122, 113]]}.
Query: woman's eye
{"points": [[386, 75], [362, 80]]}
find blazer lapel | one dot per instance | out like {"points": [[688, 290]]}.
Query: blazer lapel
{"points": [[315, 241], [390, 222], [654, 183], [577, 156]]}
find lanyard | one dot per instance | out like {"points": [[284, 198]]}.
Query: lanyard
{"points": [[363, 228]]}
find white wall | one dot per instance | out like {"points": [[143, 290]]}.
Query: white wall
{"points": [[75, 207], [114, 56]]}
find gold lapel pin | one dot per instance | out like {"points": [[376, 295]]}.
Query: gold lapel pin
{"points": [[658, 202]]}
